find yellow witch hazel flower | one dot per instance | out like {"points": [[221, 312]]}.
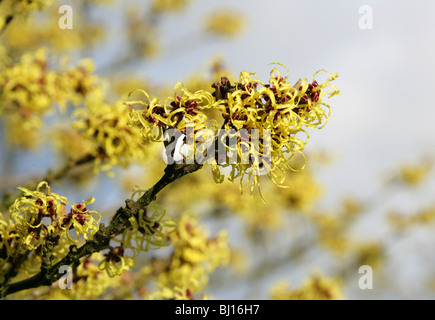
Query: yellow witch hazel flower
{"points": [[8, 245], [89, 282], [149, 230], [40, 214], [178, 112], [29, 90], [37, 219], [267, 120], [27, 214], [116, 262], [79, 83], [28, 85], [81, 220], [113, 141]]}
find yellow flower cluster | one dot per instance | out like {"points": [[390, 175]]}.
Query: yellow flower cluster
{"points": [[28, 86], [284, 109], [40, 215], [224, 23], [251, 107], [89, 282], [80, 84], [106, 127], [314, 288], [195, 256], [115, 262], [181, 273], [178, 112], [149, 230], [29, 90]]}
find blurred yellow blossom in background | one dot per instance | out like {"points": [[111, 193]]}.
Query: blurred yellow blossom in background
{"points": [[314, 288]]}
